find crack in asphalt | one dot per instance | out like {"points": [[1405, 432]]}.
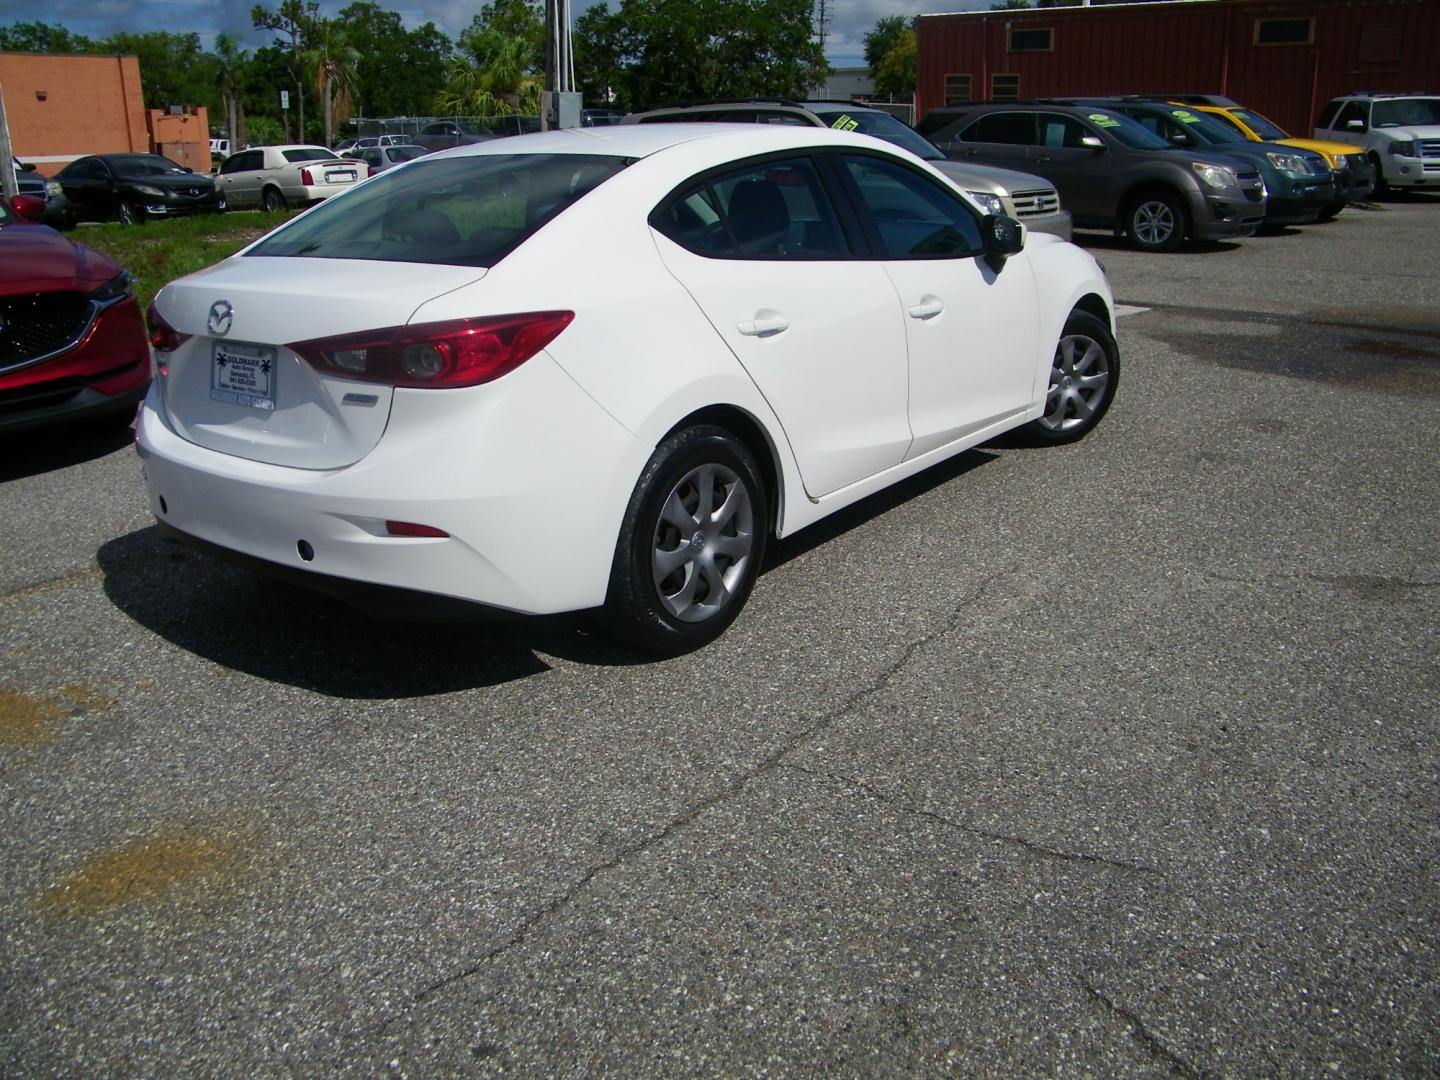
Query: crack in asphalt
{"points": [[882, 680], [1374, 586], [1004, 838], [1146, 1037], [16, 595]]}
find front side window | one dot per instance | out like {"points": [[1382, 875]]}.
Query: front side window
{"points": [[469, 211], [775, 209], [1327, 114], [246, 162], [915, 217], [144, 165]]}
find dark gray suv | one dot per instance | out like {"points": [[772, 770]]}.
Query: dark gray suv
{"points": [[1111, 173]]}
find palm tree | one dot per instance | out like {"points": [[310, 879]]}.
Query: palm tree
{"points": [[333, 64], [492, 79], [233, 61]]}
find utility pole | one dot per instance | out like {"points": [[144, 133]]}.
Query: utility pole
{"points": [[9, 186], [559, 105]]}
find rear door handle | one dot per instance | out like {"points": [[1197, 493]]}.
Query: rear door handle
{"points": [[765, 324], [927, 308]]}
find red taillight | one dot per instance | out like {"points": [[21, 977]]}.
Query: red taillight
{"points": [[306, 178], [409, 528], [438, 355], [163, 336]]}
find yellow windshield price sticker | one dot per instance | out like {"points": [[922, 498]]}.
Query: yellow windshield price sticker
{"points": [[845, 122]]}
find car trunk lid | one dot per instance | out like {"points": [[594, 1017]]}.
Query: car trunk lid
{"points": [[236, 388]]}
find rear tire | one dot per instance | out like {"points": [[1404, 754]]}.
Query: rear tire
{"points": [[690, 545], [1084, 375], [271, 201], [1156, 221]]}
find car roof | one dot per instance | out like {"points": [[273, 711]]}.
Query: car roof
{"points": [[643, 140]]}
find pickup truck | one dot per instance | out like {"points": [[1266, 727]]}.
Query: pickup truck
{"points": [[274, 177]]}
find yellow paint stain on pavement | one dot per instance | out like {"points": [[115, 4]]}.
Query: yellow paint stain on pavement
{"points": [[27, 721], [143, 870]]}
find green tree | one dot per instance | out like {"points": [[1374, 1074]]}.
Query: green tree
{"points": [[896, 73], [491, 75], [333, 64], [174, 69], [515, 19], [42, 37], [231, 64], [397, 72], [296, 23], [882, 39], [650, 52], [1010, 5]]}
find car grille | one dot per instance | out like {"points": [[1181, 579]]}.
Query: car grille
{"points": [[1251, 184], [1428, 147], [38, 325], [1035, 203]]}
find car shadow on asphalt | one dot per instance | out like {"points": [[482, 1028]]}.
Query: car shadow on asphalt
{"points": [[30, 453], [1103, 241], [248, 622]]}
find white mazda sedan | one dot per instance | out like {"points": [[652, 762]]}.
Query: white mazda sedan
{"points": [[599, 368]]}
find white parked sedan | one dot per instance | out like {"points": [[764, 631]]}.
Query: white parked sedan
{"points": [[600, 367], [274, 177]]}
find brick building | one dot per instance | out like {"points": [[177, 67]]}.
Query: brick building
{"points": [[1283, 58], [63, 107]]}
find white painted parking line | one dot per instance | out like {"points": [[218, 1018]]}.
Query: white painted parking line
{"points": [[1121, 310]]}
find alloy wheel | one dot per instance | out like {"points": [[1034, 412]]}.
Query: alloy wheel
{"points": [[1153, 223], [704, 542], [1079, 377]]}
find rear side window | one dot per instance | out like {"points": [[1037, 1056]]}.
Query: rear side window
{"points": [[1004, 127], [774, 209], [915, 217], [468, 211]]}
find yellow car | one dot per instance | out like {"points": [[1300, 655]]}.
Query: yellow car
{"points": [[1354, 176]]}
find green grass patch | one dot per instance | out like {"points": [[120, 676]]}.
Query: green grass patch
{"points": [[158, 252]]}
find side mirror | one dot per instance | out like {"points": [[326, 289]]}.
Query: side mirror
{"points": [[28, 166], [1354, 125], [1093, 142], [1002, 236], [28, 208], [1180, 139]]}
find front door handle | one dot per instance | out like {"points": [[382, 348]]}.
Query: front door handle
{"points": [[927, 308], [765, 324]]}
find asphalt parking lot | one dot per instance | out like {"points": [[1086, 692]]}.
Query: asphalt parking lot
{"points": [[1117, 758]]}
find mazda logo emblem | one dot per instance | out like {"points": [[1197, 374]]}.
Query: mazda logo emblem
{"points": [[221, 316]]}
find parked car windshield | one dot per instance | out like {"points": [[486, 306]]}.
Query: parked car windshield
{"points": [[466, 211], [1410, 111], [404, 153], [307, 154], [142, 165], [883, 126], [1258, 124], [1130, 133]]}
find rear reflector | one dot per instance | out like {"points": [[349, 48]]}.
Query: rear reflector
{"points": [[438, 355], [409, 528]]}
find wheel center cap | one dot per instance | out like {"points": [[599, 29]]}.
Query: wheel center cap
{"points": [[697, 543]]}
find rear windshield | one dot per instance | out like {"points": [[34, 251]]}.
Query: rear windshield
{"points": [[307, 154], [1410, 111], [883, 126], [463, 211]]}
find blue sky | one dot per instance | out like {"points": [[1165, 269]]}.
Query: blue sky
{"points": [[850, 19]]}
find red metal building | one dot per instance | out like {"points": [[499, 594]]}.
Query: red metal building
{"points": [[1283, 58]]}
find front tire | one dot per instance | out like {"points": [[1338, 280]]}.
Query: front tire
{"points": [[129, 215], [1156, 221], [1380, 188], [1084, 375], [691, 543]]}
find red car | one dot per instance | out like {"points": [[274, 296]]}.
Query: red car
{"points": [[72, 341]]}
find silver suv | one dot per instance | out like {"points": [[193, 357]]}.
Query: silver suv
{"points": [[1019, 195], [1400, 134]]}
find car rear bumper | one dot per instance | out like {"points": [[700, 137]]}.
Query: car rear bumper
{"points": [[530, 497]]}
